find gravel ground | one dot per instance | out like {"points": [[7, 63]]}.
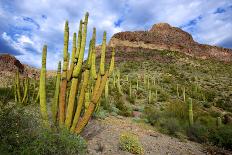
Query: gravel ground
{"points": [[103, 139]]}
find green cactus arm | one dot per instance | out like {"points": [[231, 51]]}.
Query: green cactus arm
{"points": [[190, 110], [78, 43], [26, 87], [92, 105], [56, 95], [80, 100], [112, 62], [42, 86], [103, 55], [18, 86], [15, 91], [93, 64], [107, 91], [87, 100], [63, 86], [89, 59], [73, 57], [78, 67]]}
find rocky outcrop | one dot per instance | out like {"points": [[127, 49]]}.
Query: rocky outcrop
{"points": [[162, 36]]}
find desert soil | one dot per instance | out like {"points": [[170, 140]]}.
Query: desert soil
{"points": [[103, 139]]}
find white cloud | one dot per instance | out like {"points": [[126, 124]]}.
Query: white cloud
{"points": [[31, 24]]}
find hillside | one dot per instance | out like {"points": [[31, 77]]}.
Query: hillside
{"points": [[163, 36], [9, 65]]}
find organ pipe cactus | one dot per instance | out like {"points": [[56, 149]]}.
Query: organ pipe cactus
{"points": [[177, 90], [72, 58], [190, 112], [107, 92], [130, 89], [71, 115], [63, 86], [76, 72], [184, 94], [56, 95], [137, 84], [103, 51], [219, 122], [42, 87], [149, 96]]}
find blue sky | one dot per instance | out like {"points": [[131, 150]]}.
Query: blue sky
{"points": [[25, 25]]}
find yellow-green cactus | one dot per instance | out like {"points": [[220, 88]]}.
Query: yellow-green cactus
{"points": [[103, 52], [190, 110], [72, 58], [42, 86], [56, 95], [93, 64], [63, 86]]}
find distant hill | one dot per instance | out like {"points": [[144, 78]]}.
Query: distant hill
{"points": [[162, 36], [9, 65]]}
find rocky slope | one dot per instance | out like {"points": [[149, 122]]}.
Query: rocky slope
{"points": [[162, 36], [9, 65]]}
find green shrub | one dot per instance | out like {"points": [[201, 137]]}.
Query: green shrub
{"points": [[124, 109], [6, 95], [222, 137], [198, 132], [170, 126], [152, 114], [130, 142], [57, 143]]}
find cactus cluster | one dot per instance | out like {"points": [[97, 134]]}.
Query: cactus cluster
{"points": [[78, 85], [22, 89]]}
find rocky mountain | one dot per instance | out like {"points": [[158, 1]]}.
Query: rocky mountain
{"points": [[163, 36], [9, 65]]}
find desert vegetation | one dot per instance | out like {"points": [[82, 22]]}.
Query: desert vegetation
{"points": [[172, 93]]}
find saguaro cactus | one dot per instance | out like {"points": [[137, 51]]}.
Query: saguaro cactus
{"points": [[190, 112], [42, 86]]}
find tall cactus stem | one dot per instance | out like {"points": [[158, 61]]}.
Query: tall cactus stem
{"points": [[56, 95], [190, 110], [42, 86], [103, 51], [72, 58], [63, 86]]}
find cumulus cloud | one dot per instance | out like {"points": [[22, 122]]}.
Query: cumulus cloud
{"points": [[25, 26]]}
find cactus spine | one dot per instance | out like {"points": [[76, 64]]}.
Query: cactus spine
{"points": [[190, 112], [42, 87], [56, 95]]}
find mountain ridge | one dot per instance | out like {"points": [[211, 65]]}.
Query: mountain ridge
{"points": [[163, 36]]}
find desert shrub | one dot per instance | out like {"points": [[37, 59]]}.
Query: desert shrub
{"points": [[170, 126], [101, 113], [57, 143], [130, 142], [177, 108], [6, 95], [125, 110], [15, 129], [221, 137], [152, 114], [198, 133]]}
